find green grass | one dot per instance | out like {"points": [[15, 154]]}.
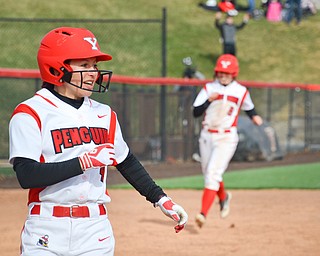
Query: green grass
{"points": [[271, 52], [306, 176], [7, 171]]}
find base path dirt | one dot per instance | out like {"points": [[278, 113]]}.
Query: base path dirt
{"points": [[261, 222]]}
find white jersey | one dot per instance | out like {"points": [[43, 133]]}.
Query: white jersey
{"points": [[223, 112], [47, 129]]}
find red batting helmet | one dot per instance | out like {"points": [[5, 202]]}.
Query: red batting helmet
{"points": [[67, 43], [227, 63]]}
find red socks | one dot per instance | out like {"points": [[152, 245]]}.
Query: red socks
{"points": [[221, 192], [207, 200]]}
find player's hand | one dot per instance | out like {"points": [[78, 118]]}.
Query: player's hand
{"points": [[257, 120], [246, 17], [213, 96], [218, 15], [173, 211], [100, 156]]}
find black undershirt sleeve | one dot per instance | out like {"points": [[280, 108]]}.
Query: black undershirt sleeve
{"points": [[251, 113], [199, 110], [132, 170], [32, 174]]}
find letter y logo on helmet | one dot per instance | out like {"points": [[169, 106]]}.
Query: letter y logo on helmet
{"points": [[225, 64], [92, 41]]}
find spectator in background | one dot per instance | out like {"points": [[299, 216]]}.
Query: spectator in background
{"points": [[217, 5], [228, 6], [251, 7], [294, 11], [228, 31], [274, 11], [190, 71], [308, 8], [211, 3]]}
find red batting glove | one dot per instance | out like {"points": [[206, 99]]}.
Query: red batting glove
{"points": [[100, 156], [173, 211]]}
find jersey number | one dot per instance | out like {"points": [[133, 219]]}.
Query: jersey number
{"points": [[102, 173], [230, 111]]}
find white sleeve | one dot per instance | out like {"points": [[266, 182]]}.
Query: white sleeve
{"points": [[25, 137], [247, 103], [120, 146], [201, 98]]}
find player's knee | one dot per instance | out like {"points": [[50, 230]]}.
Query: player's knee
{"points": [[212, 185]]}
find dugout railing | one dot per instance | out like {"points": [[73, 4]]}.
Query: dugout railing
{"points": [[157, 134]]}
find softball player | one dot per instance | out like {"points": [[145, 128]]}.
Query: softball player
{"points": [[61, 143], [220, 101]]}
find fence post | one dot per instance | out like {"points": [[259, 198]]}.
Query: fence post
{"points": [[308, 121], [37, 85], [124, 109], [290, 117], [269, 104], [163, 88]]}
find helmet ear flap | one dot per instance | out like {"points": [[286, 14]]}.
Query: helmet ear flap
{"points": [[66, 75]]}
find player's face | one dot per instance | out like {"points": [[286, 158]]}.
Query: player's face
{"points": [[85, 80], [229, 20], [224, 78]]}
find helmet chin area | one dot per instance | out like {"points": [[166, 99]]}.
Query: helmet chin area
{"points": [[101, 84]]}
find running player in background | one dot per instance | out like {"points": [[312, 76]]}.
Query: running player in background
{"points": [[61, 142], [220, 101]]}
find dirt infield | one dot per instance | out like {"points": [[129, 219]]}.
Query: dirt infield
{"points": [[262, 222]]}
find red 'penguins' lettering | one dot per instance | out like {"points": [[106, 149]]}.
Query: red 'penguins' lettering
{"points": [[71, 137]]}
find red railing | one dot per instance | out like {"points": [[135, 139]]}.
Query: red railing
{"points": [[33, 73]]}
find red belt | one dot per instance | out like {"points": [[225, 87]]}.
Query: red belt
{"points": [[74, 211], [218, 131]]}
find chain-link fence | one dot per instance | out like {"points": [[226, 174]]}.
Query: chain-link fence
{"points": [[293, 113], [156, 123], [137, 47]]}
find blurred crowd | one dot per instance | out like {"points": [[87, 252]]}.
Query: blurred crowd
{"points": [[288, 11], [272, 10]]}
